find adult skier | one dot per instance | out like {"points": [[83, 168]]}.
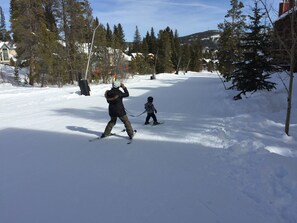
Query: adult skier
{"points": [[116, 108]]}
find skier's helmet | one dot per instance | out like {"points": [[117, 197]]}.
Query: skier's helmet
{"points": [[116, 84], [150, 99]]}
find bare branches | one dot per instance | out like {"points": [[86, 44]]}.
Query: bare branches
{"points": [[283, 82], [267, 10], [290, 49]]}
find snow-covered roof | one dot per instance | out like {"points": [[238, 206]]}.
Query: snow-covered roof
{"points": [[4, 44], [284, 15]]}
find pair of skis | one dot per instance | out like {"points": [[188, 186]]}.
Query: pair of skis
{"points": [[113, 134], [154, 124], [124, 130]]}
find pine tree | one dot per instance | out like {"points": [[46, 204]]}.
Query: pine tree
{"points": [[176, 52], [196, 56], [101, 54], [49, 51], [119, 37], [254, 69], [186, 57], [118, 46], [152, 43], [164, 62], [109, 36], [140, 63], [147, 52], [40, 26], [137, 43], [231, 31], [2, 26], [77, 32], [145, 46], [28, 26]]}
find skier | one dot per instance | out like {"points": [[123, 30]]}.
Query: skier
{"points": [[151, 110], [116, 108]]}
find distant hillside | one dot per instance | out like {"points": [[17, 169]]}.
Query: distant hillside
{"points": [[207, 39]]}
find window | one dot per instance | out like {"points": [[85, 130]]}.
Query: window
{"points": [[5, 54]]}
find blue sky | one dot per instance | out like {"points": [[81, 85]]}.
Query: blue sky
{"points": [[185, 16]]}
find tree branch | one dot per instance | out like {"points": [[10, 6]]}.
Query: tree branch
{"points": [[273, 25]]}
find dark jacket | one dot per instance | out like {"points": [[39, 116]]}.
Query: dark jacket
{"points": [[150, 108], [115, 99]]}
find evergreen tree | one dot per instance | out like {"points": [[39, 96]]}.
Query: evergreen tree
{"points": [[37, 28], [140, 63], [78, 29], [137, 43], [118, 46], [49, 51], [147, 51], [28, 26], [101, 54], [145, 46], [196, 57], [50, 16], [88, 20], [2, 26], [109, 36], [176, 51], [231, 31], [152, 42], [186, 57], [164, 62], [119, 37], [254, 69]]}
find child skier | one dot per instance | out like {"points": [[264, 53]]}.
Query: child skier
{"points": [[151, 110]]}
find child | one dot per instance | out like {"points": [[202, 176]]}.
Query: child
{"points": [[151, 110]]}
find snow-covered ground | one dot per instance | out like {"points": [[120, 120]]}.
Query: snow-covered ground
{"points": [[213, 160], [8, 74]]}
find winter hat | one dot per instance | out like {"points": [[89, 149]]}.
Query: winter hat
{"points": [[116, 84], [150, 99]]}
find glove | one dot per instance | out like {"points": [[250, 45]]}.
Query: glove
{"points": [[156, 111]]}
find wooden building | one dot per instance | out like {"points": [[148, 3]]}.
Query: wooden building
{"points": [[282, 27]]}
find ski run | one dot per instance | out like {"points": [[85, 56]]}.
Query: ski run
{"points": [[213, 160]]}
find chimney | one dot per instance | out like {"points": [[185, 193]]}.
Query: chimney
{"points": [[284, 6]]}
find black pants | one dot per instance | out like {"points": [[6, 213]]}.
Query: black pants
{"points": [[150, 115]]}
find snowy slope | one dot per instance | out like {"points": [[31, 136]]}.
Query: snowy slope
{"points": [[213, 160]]}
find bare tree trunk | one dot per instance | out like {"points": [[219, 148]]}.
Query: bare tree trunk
{"points": [[292, 67], [288, 116], [177, 68], [155, 65], [291, 52], [188, 66]]}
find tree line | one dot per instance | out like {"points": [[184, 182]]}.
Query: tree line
{"points": [[164, 53], [53, 39]]}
